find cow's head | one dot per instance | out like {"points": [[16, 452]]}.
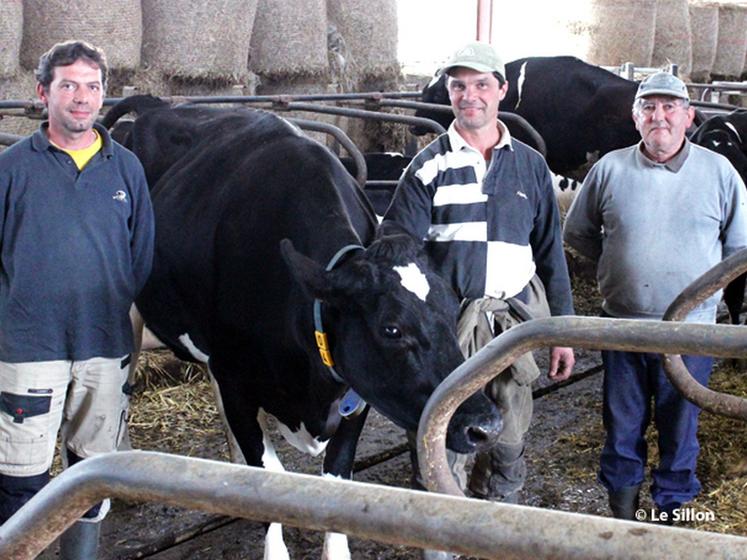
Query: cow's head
{"points": [[392, 324], [434, 92]]}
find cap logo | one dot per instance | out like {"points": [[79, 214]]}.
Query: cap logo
{"points": [[467, 51]]}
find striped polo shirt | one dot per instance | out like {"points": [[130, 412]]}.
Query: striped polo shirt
{"points": [[488, 226]]}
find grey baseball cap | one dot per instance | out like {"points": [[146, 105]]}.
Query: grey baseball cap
{"points": [[662, 83], [477, 56]]}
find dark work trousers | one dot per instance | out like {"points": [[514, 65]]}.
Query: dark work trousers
{"points": [[631, 380]]}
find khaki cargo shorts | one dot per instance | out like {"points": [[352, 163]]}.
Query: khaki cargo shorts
{"points": [[86, 398]]}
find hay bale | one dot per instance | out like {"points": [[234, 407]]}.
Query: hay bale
{"points": [[113, 25], [369, 31], [194, 39], [672, 37], [704, 27], [289, 39], [11, 32], [621, 31], [732, 41]]}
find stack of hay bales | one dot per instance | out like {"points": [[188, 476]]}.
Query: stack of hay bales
{"points": [[11, 32], [369, 31], [622, 31], [198, 40], [704, 26], [732, 41], [289, 46], [672, 39], [113, 25]]}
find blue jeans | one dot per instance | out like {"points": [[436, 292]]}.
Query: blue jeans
{"points": [[631, 380]]}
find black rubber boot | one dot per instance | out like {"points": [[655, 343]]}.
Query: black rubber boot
{"points": [[81, 541], [624, 502]]}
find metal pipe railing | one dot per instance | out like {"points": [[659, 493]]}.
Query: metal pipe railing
{"points": [[692, 296], [360, 113], [361, 170], [578, 332], [389, 515]]}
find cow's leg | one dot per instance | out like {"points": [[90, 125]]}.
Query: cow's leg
{"points": [[246, 426], [338, 463], [734, 297], [137, 335]]}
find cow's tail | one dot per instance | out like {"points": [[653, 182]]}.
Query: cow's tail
{"points": [[137, 104]]}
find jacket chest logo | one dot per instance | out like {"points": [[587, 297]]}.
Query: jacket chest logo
{"points": [[121, 196]]}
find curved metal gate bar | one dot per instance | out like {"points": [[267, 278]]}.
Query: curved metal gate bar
{"points": [[579, 332], [692, 296], [360, 113], [390, 515], [361, 171]]}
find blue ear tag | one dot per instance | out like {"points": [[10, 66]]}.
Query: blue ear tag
{"points": [[351, 404]]}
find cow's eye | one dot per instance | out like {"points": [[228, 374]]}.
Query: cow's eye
{"points": [[390, 331]]}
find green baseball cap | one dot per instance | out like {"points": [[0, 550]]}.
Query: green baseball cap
{"points": [[663, 83], [477, 56]]}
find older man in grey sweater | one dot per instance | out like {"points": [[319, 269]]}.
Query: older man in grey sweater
{"points": [[655, 216]]}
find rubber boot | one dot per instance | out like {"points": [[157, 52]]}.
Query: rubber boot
{"points": [[624, 502], [81, 541]]}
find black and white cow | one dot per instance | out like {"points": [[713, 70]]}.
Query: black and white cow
{"points": [[258, 252], [580, 110], [727, 135]]}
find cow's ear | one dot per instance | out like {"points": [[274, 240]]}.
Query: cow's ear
{"points": [[307, 272]]}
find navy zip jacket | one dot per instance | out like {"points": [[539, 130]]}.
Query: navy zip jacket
{"points": [[76, 248]]}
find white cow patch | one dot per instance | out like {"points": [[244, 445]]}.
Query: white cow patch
{"points": [[413, 280], [335, 544], [196, 353], [520, 84], [275, 548], [302, 440], [270, 459], [734, 130]]}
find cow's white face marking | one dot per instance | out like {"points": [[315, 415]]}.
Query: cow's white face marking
{"points": [[434, 79], [302, 440], [195, 352], [413, 280]]}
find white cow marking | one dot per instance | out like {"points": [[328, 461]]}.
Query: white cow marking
{"points": [[302, 439], [734, 130], [335, 544], [196, 353], [413, 280], [275, 548], [520, 83], [270, 459]]}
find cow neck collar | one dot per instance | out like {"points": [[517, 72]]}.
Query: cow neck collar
{"points": [[322, 343]]}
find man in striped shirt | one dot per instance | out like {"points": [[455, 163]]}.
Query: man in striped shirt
{"points": [[484, 206]]}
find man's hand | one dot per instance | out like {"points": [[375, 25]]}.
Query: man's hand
{"points": [[561, 363]]}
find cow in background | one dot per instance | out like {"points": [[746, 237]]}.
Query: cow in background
{"points": [[580, 110], [727, 135]]}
